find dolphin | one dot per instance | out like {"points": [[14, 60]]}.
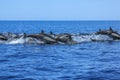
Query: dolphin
{"points": [[65, 38], [2, 37], [111, 33], [44, 37]]}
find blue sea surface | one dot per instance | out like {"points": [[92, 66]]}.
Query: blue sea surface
{"points": [[85, 61]]}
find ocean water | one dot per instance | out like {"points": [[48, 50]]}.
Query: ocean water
{"points": [[84, 61]]}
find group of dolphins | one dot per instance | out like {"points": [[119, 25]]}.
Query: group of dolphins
{"points": [[44, 38]]}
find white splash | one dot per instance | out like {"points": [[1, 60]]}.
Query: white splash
{"points": [[23, 40], [91, 37], [16, 41]]}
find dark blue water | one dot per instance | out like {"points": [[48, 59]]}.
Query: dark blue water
{"points": [[57, 26], [85, 61]]}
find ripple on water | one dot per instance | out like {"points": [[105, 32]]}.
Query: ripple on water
{"points": [[3, 60], [60, 62], [10, 77]]}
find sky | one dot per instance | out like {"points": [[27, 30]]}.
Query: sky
{"points": [[59, 9]]}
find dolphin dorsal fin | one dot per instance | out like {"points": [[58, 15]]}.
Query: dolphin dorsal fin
{"points": [[110, 29], [42, 32], [51, 32], [100, 30]]}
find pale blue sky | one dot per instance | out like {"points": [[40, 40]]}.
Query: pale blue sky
{"points": [[59, 9]]}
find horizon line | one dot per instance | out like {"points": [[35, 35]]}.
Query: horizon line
{"points": [[59, 20]]}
